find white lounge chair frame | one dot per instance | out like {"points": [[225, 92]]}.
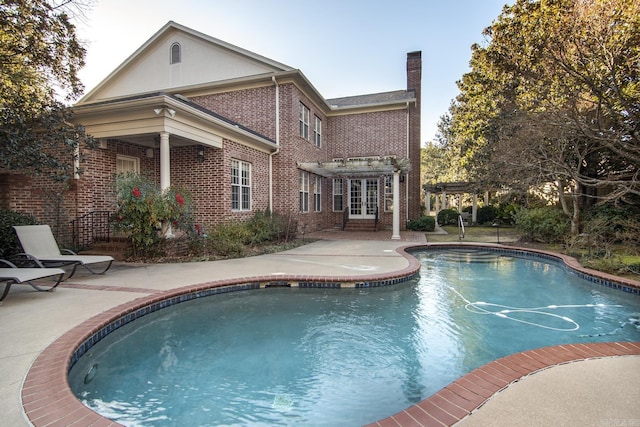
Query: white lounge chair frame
{"points": [[41, 247], [15, 275]]}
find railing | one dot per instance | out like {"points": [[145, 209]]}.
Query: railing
{"points": [[460, 227], [345, 217], [90, 228]]}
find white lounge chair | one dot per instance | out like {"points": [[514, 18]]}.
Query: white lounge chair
{"points": [[15, 275], [41, 247]]}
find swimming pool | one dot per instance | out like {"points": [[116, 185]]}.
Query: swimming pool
{"points": [[325, 357]]}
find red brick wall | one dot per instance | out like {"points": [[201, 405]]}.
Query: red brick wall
{"points": [[414, 78]]}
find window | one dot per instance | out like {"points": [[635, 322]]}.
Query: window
{"points": [[126, 164], [337, 194], [317, 194], [304, 121], [388, 193], [240, 185], [176, 53], [304, 191], [317, 131]]}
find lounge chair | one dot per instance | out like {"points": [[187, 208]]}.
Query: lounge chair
{"points": [[13, 274], [41, 247]]}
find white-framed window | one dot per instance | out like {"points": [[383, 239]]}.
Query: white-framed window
{"points": [[388, 194], [317, 131], [304, 191], [337, 195], [175, 54], [127, 164], [317, 194], [304, 121], [240, 185]]}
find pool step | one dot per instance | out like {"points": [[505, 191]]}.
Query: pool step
{"points": [[472, 255]]}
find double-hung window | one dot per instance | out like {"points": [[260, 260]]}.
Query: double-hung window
{"points": [[304, 191], [337, 194], [126, 164], [240, 185], [317, 131], [317, 194], [304, 121]]}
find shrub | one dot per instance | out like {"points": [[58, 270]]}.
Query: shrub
{"points": [[424, 223], [546, 224], [145, 212], [9, 244], [231, 239], [448, 217], [615, 224], [487, 214]]}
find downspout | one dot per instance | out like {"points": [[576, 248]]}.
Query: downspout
{"points": [[406, 177], [275, 82]]}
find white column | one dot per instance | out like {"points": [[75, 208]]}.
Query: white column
{"points": [[165, 161], [474, 209], [444, 200], [165, 175], [427, 203], [396, 206]]}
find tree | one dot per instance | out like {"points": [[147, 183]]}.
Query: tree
{"points": [[40, 57], [554, 97]]}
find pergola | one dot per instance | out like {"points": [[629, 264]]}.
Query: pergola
{"points": [[443, 189], [363, 167]]}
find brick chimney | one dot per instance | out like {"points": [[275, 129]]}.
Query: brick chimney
{"points": [[414, 80]]}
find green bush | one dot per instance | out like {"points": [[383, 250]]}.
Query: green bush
{"points": [[231, 239], [9, 244], [145, 212], [487, 214], [448, 217], [424, 223], [546, 224]]}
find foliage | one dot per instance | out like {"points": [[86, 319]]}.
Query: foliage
{"points": [[233, 239], [424, 223], [554, 97], [545, 224], [9, 244], [145, 212], [607, 225], [447, 217], [486, 214], [40, 57]]}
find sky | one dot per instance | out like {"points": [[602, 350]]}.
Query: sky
{"points": [[344, 47]]}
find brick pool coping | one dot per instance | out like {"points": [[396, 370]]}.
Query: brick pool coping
{"points": [[47, 399]]}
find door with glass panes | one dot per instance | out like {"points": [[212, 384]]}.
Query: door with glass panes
{"points": [[363, 198]]}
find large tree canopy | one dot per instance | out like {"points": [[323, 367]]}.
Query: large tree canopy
{"points": [[554, 97], [40, 57]]}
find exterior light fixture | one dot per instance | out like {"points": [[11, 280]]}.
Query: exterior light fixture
{"points": [[200, 154]]}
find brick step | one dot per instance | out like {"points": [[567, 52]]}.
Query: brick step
{"points": [[361, 225], [115, 248]]}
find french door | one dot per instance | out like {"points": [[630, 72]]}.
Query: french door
{"points": [[363, 198]]}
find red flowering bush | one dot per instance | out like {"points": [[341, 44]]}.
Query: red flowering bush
{"points": [[147, 214]]}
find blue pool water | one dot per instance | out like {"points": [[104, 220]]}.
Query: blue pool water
{"points": [[346, 357]]}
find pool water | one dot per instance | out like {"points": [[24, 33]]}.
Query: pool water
{"points": [[344, 357]]}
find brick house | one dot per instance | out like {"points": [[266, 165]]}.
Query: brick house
{"points": [[244, 133]]}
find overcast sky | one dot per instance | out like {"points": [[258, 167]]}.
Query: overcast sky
{"points": [[344, 47]]}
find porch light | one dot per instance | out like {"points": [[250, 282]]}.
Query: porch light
{"points": [[200, 154]]}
